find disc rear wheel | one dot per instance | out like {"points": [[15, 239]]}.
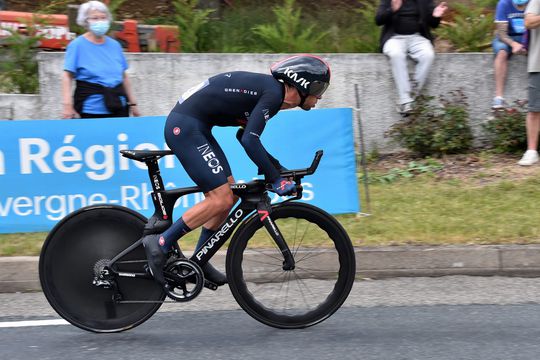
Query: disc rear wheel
{"points": [[76, 249]]}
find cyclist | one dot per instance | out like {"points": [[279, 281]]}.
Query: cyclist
{"points": [[236, 98]]}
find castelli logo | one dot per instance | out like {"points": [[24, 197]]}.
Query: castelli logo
{"points": [[176, 131]]}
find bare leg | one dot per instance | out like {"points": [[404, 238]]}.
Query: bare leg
{"points": [[533, 127], [213, 223], [212, 210], [500, 67]]}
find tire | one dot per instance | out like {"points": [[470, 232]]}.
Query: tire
{"points": [[66, 269], [314, 290]]}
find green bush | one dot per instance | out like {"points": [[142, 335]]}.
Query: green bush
{"points": [[367, 40], [290, 33], [472, 29], [233, 31], [506, 130], [19, 70], [191, 22], [435, 128]]}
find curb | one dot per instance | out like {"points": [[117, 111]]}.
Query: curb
{"points": [[20, 273]]}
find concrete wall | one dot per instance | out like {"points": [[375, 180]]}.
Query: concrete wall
{"points": [[20, 106], [160, 78]]}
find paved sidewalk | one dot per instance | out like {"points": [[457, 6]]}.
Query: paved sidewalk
{"points": [[20, 274]]}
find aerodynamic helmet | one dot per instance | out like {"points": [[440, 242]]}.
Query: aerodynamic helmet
{"points": [[307, 73]]}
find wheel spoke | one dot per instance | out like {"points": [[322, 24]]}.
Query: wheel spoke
{"points": [[287, 293], [266, 254], [263, 262], [271, 239], [314, 272], [300, 289], [302, 238], [271, 281], [310, 255]]}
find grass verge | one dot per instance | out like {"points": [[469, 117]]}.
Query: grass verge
{"points": [[419, 210]]}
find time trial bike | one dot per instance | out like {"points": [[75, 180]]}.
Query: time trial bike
{"points": [[288, 265]]}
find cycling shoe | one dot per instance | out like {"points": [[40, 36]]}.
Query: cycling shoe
{"points": [[213, 275], [155, 256]]}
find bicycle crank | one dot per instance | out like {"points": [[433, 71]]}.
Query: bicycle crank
{"points": [[185, 280]]}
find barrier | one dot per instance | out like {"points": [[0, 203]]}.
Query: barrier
{"points": [[49, 168], [56, 34], [53, 28]]}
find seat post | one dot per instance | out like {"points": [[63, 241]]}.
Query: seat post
{"points": [[160, 201], [155, 175]]}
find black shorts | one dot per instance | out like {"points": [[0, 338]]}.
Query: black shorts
{"points": [[192, 142]]}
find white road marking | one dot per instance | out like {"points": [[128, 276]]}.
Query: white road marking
{"points": [[10, 324]]}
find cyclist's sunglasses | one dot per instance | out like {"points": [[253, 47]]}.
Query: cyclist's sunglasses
{"points": [[317, 88]]}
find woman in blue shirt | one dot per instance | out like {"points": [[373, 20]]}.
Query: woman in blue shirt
{"points": [[98, 65]]}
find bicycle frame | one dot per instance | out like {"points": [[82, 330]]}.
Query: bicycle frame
{"points": [[253, 196]]}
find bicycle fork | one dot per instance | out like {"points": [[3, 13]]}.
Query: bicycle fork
{"points": [[264, 210]]}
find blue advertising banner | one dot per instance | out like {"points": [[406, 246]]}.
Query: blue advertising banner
{"points": [[49, 168]]}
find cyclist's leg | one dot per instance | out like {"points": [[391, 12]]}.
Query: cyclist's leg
{"points": [[210, 227], [216, 221], [202, 158], [206, 164]]}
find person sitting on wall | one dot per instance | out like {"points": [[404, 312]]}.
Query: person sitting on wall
{"points": [[509, 40], [406, 32]]}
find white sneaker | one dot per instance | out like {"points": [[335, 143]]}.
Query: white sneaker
{"points": [[405, 109], [530, 157], [498, 103]]}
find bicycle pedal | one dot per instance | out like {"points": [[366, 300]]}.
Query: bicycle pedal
{"points": [[210, 285]]}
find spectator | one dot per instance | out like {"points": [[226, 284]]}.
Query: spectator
{"points": [[406, 32], [98, 65], [509, 39], [532, 23]]}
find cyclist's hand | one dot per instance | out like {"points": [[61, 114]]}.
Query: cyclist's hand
{"points": [[283, 187]]}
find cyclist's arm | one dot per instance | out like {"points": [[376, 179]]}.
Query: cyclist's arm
{"points": [[250, 139], [274, 161]]}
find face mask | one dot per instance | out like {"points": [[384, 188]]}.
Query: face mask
{"points": [[100, 27]]}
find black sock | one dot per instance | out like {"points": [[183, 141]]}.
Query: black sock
{"points": [[172, 234], [205, 234]]}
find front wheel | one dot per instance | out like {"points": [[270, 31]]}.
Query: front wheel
{"points": [[71, 257], [321, 281]]}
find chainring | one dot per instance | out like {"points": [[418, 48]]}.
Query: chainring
{"points": [[185, 280]]}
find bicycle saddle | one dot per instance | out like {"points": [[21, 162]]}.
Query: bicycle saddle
{"points": [[145, 155]]}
